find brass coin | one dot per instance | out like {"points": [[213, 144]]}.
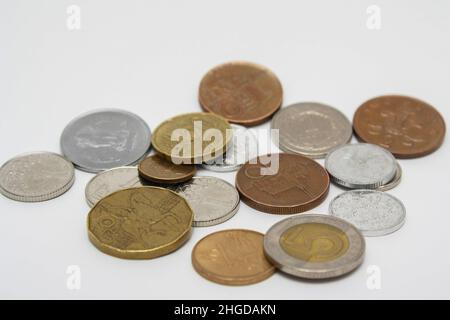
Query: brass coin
{"points": [[232, 257], [241, 92], [160, 170], [140, 223], [193, 138]]}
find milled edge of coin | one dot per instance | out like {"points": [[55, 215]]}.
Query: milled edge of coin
{"points": [[141, 254], [225, 280], [394, 182], [295, 267], [159, 180]]}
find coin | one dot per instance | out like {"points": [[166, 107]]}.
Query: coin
{"points": [[232, 257], [314, 246], [241, 92], [374, 213], [243, 147], [407, 127], [394, 182], [294, 184], [105, 139], [110, 181], [160, 170], [140, 223], [213, 200], [361, 166], [37, 176], [192, 138], [311, 129]]}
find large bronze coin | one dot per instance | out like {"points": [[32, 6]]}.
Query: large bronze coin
{"points": [[296, 185], [241, 92], [160, 170], [407, 127]]}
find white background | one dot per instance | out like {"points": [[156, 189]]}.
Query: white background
{"points": [[148, 57]]}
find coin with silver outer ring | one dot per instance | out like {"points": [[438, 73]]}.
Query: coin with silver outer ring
{"points": [[374, 213], [314, 246]]}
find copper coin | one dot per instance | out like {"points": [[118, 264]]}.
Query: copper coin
{"points": [[407, 127], [294, 184], [157, 169], [241, 92], [232, 257]]}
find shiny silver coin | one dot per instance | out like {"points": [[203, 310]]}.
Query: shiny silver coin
{"points": [[105, 139], [361, 166], [311, 129], [394, 182], [110, 181], [35, 177], [243, 148], [213, 200], [314, 246], [374, 213]]}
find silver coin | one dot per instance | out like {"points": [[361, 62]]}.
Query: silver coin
{"points": [[105, 139], [110, 181], [394, 182], [314, 246], [37, 176], [243, 148], [361, 166], [213, 200], [311, 129], [374, 213]]}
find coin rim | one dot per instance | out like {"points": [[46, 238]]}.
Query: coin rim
{"points": [[394, 182], [161, 180]]}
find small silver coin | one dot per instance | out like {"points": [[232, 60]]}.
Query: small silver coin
{"points": [[311, 129], [213, 200], [361, 166], [394, 182], [314, 246], [374, 213], [243, 148], [37, 176], [105, 139], [110, 181]]}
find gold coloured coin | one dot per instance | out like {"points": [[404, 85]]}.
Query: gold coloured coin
{"points": [[140, 223], [160, 170]]}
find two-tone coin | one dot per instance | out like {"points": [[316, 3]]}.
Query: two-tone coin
{"points": [[161, 170], [374, 213], [314, 246], [37, 176], [311, 129]]}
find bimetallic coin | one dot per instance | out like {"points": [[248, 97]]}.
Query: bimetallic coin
{"points": [[374, 213], [110, 181], [241, 92], [105, 139], [282, 183], [213, 200], [314, 246], [394, 182], [407, 127], [243, 148], [361, 166], [161, 170], [232, 257], [35, 177], [140, 223], [311, 129]]}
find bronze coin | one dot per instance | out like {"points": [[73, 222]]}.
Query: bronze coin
{"points": [[299, 184], [160, 170], [241, 92], [407, 127]]}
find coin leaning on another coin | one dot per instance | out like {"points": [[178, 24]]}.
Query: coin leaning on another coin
{"points": [[158, 169]]}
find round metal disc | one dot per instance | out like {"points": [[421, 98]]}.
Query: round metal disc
{"points": [[394, 182]]}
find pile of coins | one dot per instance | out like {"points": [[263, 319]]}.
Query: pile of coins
{"points": [[143, 207]]}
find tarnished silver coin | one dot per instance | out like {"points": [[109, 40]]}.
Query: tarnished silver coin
{"points": [[311, 129], [243, 148], [37, 176], [394, 182], [213, 200], [361, 166], [314, 246], [105, 139], [110, 181], [374, 213]]}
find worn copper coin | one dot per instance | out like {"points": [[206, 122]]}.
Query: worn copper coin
{"points": [[241, 92], [407, 127], [232, 257], [160, 170], [282, 183]]}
